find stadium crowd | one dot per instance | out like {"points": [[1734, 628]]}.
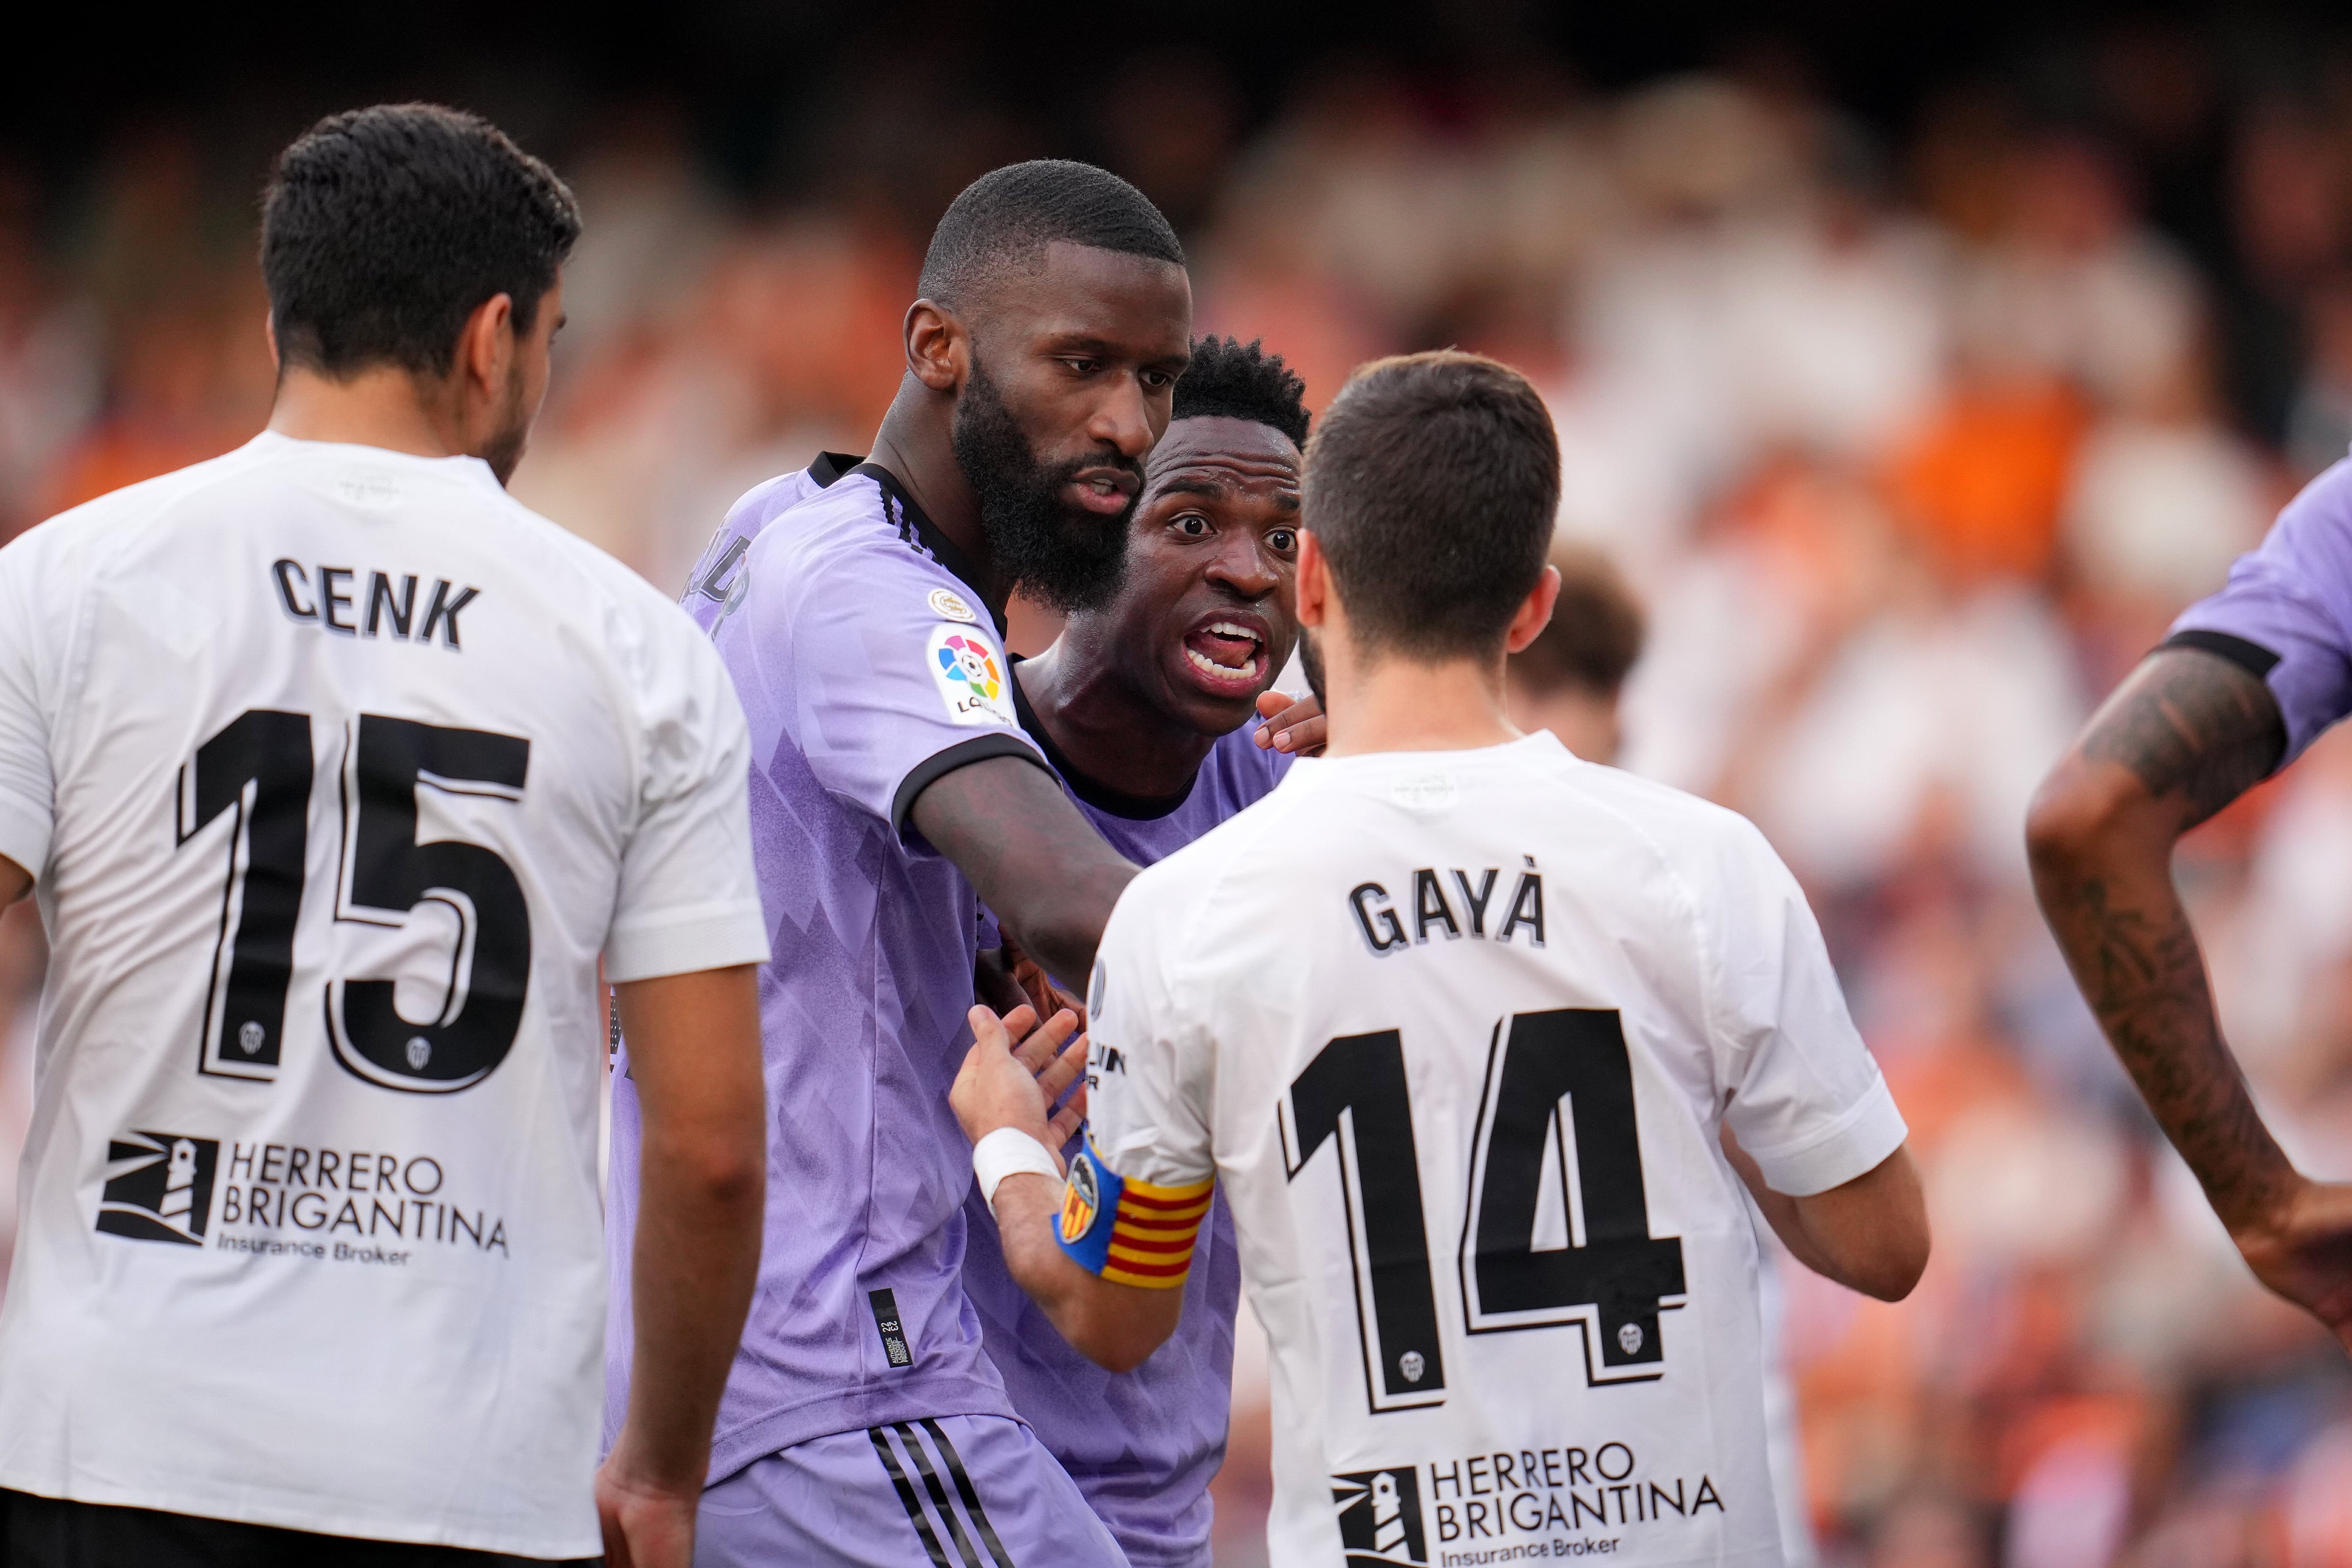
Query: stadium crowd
{"points": [[1911, 445]]}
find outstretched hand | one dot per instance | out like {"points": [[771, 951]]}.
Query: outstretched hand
{"points": [[2306, 1254], [1295, 724], [1015, 1071]]}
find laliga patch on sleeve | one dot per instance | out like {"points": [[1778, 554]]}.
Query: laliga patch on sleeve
{"points": [[1090, 1211], [970, 676]]}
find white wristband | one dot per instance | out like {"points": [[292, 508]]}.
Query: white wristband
{"points": [[1009, 1150]]}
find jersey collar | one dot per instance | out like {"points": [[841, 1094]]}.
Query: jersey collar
{"points": [[1101, 795], [918, 529]]}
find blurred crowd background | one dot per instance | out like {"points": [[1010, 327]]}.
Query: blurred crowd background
{"points": [[1913, 405]]}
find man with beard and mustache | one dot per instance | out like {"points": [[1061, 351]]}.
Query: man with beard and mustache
{"points": [[859, 606]]}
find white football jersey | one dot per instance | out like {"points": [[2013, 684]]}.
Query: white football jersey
{"points": [[1455, 1031], [337, 769]]}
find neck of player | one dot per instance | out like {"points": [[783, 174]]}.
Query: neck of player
{"points": [[917, 443], [1107, 729], [1389, 702], [383, 406]]}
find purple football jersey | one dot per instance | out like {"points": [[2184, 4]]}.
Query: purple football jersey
{"points": [[2286, 613], [868, 666], [1144, 1446]]}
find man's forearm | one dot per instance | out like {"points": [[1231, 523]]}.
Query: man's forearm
{"points": [[694, 1046], [2185, 734], [1033, 860], [1115, 1326], [2111, 904], [696, 1257]]}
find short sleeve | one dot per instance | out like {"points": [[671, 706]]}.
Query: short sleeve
{"points": [[1807, 1101], [1140, 1188], [885, 673], [28, 783], [689, 898], [2280, 616]]}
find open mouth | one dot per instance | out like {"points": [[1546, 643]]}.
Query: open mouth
{"points": [[1230, 655], [1104, 491]]}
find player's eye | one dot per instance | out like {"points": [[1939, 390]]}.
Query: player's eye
{"points": [[1282, 540], [1158, 381], [1191, 525], [1083, 367]]}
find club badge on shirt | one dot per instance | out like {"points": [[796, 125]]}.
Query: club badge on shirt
{"points": [[951, 606], [970, 676]]}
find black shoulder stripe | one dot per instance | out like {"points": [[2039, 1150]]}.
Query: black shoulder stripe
{"points": [[962, 754], [2251, 657]]}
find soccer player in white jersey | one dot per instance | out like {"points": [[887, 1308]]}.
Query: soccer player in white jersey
{"points": [[1468, 1115], [337, 771]]}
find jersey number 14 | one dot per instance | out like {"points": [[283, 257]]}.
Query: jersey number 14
{"points": [[260, 767], [1614, 1281]]}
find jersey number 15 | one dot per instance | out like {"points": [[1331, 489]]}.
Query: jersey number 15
{"points": [[260, 767], [1613, 1281]]}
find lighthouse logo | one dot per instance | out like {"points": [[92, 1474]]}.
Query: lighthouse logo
{"points": [[159, 1186], [1379, 1517]]}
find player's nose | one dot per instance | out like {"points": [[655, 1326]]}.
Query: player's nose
{"points": [[1243, 564], [1123, 418]]}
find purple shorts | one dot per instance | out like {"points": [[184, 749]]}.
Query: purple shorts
{"points": [[950, 1491]]}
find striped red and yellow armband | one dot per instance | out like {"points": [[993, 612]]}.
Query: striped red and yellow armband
{"points": [[1129, 1233]]}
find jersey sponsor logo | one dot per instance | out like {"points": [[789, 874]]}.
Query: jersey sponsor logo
{"points": [[350, 1205], [159, 1186], [1508, 1505], [1378, 1513], [950, 607], [972, 682]]}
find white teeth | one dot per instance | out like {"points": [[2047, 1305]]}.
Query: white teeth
{"points": [[1215, 668], [1227, 628]]}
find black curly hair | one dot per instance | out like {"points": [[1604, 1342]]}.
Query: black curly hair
{"points": [[1233, 380]]}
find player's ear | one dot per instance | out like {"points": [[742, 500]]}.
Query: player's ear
{"points": [[1314, 580], [1535, 612], [938, 349], [486, 344]]}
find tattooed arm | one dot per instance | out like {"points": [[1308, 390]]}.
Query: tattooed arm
{"points": [[2187, 734]]}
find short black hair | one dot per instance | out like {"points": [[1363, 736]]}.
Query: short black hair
{"points": [[384, 229], [1233, 380], [1596, 631], [1432, 485], [1007, 218]]}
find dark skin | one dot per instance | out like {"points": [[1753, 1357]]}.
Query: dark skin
{"points": [[1085, 349], [2187, 734], [1211, 564]]}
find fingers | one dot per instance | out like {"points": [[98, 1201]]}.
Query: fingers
{"points": [[1064, 1124], [1295, 726], [1066, 1069], [1037, 1050]]}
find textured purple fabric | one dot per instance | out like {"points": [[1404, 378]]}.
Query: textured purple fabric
{"points": [[825, 623], [970, 1491], [2293, 597], [1142, 1447]]}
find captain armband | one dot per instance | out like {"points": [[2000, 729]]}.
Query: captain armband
{"points": [[1129, 1233]]}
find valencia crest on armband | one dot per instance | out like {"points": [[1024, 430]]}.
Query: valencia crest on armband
{"points": [[1129, 1232]]}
